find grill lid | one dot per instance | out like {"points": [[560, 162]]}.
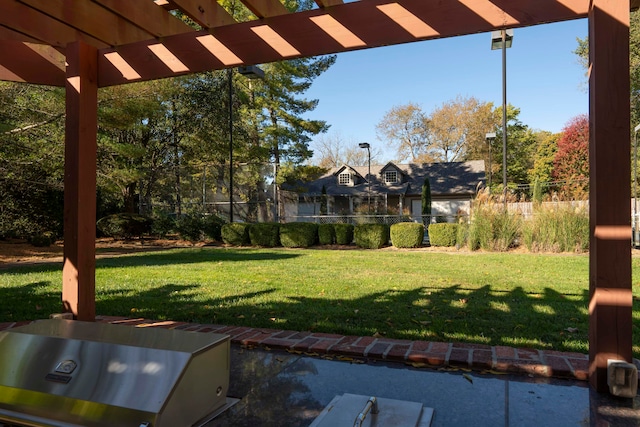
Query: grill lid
{"points": [[63, 372]]}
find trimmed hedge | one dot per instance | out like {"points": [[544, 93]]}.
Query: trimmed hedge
{"points": [[443, 234], [326, 234], [298, 234], [344, 233], [212, 226], [371, 236], [189, 227], [124, 225], [265, 234], [407, 234], [236, 234], [163, 225], [43, 240]]}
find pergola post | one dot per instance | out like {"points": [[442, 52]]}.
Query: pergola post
{"points": [[610, 298], [78, 274]]}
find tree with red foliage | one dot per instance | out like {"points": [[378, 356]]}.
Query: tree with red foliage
{"points": [[571, 162]]}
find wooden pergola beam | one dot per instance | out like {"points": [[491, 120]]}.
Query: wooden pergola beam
{"points": [[368, 24], [610, 297], [78, 272]]}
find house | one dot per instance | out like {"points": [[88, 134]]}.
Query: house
{"points": [[392, 189]]}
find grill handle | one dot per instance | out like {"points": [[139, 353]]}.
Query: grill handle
{"points": [[371, 405]]}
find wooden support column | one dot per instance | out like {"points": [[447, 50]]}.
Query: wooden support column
{"points": [[610, 310], [78, 274]]}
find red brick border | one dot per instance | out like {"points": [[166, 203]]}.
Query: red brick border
{"points": [[499, 359]]}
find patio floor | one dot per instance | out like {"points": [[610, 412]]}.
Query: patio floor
{"points": [[286, 378]]}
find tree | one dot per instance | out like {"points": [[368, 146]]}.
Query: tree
{"points": [[406, 127], [332, 151], [582, 51], [544, 152], [520, 143], [31, 160], [457, 129], [426, 201], [571, 162]]}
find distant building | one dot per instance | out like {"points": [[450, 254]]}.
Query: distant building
{"points": [[395, 189]]}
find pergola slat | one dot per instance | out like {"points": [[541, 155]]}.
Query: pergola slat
{"points": [[9, 34], [207, 13], [265, 8], [328, 3], [39, 64], [92, 19], [148, 16], [39, 26]]}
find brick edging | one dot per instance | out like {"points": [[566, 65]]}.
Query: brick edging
{"points": [[420, 354]]}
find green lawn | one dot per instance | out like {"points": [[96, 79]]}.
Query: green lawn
{"points": [[489, 298]]}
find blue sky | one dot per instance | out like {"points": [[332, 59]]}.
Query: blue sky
{"points": [[544, 80]]}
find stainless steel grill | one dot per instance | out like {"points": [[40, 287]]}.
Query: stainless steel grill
{"points": [[71, 373]]}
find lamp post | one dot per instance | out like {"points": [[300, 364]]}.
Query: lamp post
{"points": [[251, 72], [368, 147], [490, 136], [503, 39], [635, 187]]}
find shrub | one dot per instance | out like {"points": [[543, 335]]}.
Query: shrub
{"points": [[443, 234], [407, 234], [371, 236], [236, 233], [557, 230], [124, 225], [189, 227], [212, 226], [163, 225], [298, 234], [493, 229], [266, 234], [43, 239], [344, 233], [462, 235], [326, 234]]}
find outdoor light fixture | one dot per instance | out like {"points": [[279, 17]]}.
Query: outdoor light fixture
{"points": [[503, 39], [496, 38], [251, 72], [491, 136], [368, 147]]}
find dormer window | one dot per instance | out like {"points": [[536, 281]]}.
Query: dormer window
{"points": [[391, 177], [344, 178]]}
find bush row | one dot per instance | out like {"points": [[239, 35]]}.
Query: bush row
{"points": [[304, 234], [492, 229], [556, 229], [188, 227]]}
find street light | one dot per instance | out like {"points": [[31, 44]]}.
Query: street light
{"points": [[636, 235], [491, 136], [251, 72], [503, 39], [368, 147]]}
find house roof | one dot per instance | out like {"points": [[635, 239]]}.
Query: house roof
{"points": [[454, 178]]}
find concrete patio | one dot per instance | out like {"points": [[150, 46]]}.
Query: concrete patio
{"points": [[286, 378]]}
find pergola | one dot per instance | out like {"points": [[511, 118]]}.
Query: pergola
{"points": [[87, 44]]}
